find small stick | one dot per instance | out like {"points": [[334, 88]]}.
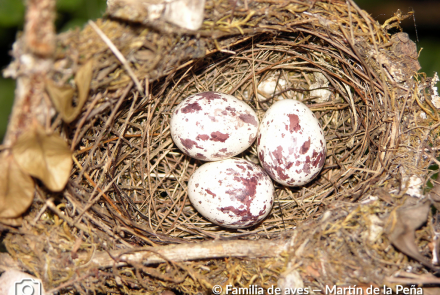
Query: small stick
{"points": [[186, 252], [119, 55], [83, 120], [107, 198]]}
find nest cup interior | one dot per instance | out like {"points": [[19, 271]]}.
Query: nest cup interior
{"points": [[296, 64]]}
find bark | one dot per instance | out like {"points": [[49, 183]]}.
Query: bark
{"points": [[33, 58], [174, 253]]}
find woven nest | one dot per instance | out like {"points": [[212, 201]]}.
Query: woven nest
{"points": [[128, 185]]}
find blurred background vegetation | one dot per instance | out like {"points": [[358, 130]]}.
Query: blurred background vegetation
{"points": [[75, 13], [70, 14]]}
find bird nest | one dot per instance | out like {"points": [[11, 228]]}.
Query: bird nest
{"points": [[127, 191]]}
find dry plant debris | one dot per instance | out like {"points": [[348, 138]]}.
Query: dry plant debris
{"points": [[46, 157], [62, 96], [126, 193], [17, 188]]}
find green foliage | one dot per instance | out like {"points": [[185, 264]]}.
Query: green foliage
{"points": [[69, 5], [70, 14], [11, 13], [7, 87], [75, 13], [429, 56]]}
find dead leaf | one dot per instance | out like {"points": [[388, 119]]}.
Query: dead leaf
{"points": [[401, 227], [434, 195], [16, 188], [46, 157], [62, 96], [17, 221], [8, 263]]}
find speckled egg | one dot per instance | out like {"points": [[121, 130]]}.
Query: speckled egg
{"points": [[212, 126], [291, 144], [232, 193]]}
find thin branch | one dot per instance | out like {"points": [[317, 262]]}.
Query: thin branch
{"points": [[119, 55], [187, 252]]}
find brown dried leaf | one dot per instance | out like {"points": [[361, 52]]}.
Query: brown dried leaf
{"points": [[16, 188], [17, 221], [402, 225], [62, 96], [434, 195], [46, 157]]}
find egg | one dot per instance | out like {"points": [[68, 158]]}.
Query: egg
{"points": [[268, 87], [233, 193], [320, 86], [291, 145], [212, 126]]}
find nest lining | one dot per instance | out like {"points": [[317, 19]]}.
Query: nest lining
{"points": [[352, 119], [347, 122]]}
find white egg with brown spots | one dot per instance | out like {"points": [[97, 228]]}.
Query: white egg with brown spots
{"points": [[291, 145], [212, 126], [233, 193]]}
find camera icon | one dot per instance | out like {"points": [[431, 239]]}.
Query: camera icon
{"points": [[28, 287]]}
